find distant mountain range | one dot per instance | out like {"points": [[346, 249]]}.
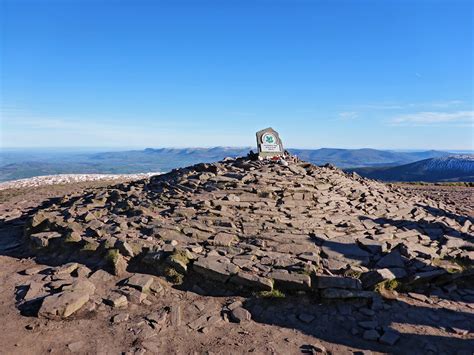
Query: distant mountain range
{"points": [[448, 169], [349, 158], [343, 158], [24, 165]]}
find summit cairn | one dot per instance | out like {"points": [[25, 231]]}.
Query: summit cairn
{"points": [[269, 143], [261, 228], [260, 225]]}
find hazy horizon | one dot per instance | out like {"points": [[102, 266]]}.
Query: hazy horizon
{"points": [[105, 149], [349, 74]]}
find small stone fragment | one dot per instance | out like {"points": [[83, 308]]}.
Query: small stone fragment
{"points": [[239, 315], [141, 282], [116, 300], [76, 346], [175, 315], [120, 318], [306, 317], [371, 335], [389, 337]]}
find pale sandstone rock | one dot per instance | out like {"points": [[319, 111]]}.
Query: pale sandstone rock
{"points": [[63, 304]]}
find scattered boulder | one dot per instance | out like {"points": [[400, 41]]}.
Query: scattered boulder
{"points": [[371, 278], [290, 281], [43, 239], [371, 334], [215, 268], [141, 282], [337, 282], [392, 259], [120, 318], [251, 281], [240, 314], [389, 337], [116, 300], [63, 304]]}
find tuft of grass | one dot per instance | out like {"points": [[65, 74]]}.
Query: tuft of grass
{"points": [[306, 271], [136, 248], [271, 294], [180, 256], [390, 285], [173, 276], [352, 273], [111, 257], [90, 246], [179, 261], [73, 237], [451, 270]]}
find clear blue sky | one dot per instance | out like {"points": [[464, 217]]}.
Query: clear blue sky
{"points": [[381, 74]]}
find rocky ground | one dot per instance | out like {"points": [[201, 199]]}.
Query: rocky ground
{"points": [[456, 196], [234, 257]]}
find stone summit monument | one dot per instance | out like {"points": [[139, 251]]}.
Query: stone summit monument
{"points": [[269, 143]]}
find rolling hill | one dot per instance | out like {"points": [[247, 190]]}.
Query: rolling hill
{"points": [[451, 168], [29, 164]]}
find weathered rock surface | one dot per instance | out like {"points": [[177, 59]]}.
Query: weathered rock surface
{"points": [[240, 315], [259, 225], [63, 304]]}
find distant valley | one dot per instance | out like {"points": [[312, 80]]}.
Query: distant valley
{"points": [[380, 164]]}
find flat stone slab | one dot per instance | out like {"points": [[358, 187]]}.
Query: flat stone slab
{"points": [[252, 281], [290, 281], [224, 239], [141, 282], [392, 259], [63, 304], [389, 337], [215, 268], [337, 282], [374, 277], [337, 293], [345, 250], [42, 240]]}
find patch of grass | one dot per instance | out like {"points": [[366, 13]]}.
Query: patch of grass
{"points": [[179, 261], [72, 237], [271, 294], [390, 285], [308, 270], [173, 276], [352, 273], [136, 248], [112, 256], [451, 270], [180, 256], [90, 247], [107, 243]]}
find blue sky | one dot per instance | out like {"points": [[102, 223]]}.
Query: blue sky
{"points": [[350, 74]]}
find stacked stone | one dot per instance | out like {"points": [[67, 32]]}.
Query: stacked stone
{"points": [[261, 225]]}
